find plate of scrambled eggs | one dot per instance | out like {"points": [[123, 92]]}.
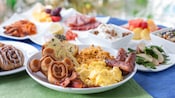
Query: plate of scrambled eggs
{"points": [[91, 69]]}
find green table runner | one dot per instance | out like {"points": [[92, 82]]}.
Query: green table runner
{"points": [[20, 85]]}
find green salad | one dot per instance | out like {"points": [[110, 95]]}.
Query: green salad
{"points": [[150, 56]]}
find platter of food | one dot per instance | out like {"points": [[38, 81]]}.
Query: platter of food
{"points": [[14, 56], [39, 23], [45, 14], [153, 58], [141, 28], [11, 27], [82, 69], [160, 67], [20, 28]]}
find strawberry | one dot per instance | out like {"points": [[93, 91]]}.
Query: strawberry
{"points": [[55, 18]]}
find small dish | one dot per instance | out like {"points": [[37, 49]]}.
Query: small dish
{"points": [[65, 13], [160, 67], [169, 45], [170, 59], [27, 53], [120, 42], [12, 19], [40, 78], [42, 29]]}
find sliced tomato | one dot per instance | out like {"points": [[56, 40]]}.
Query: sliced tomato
{"points": [[70, 35]]}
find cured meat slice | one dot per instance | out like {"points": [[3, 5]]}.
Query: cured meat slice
{"points": [[82, 22], [86, 27]]}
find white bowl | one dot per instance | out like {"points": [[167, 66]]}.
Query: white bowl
{"points": [[168, 45], [41, 79], [116, 43]]}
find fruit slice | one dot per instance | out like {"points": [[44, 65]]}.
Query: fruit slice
{"points": [[137, 32], [144, 25], [56, 18], [145, 34], [131, 27], [151, 25], [136, 22]]}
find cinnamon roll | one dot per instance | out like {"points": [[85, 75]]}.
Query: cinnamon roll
{"points": [[10, 57]]}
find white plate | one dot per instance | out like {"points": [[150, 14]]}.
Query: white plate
{"points": [[44, 35], [170, 46], [27, 50], [38, 38], [133, 44], [65, 13], [40, 78], [41, 27], [160, 67], [15, 17]]}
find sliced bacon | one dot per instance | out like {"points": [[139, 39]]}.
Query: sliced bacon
{"points": [[68, 80], [121, 55], [77, 83], [125, 62]]}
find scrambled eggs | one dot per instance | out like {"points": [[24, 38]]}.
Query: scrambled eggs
{"points": [[97, 73]]}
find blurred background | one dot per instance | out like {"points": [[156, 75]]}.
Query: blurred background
{"points": [[162, 11]]}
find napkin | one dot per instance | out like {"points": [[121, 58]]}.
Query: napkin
{"points": [[20, 85]]}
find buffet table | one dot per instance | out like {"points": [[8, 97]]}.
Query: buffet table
{"points": [[143, 85]]}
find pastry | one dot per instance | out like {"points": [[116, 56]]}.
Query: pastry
{"points": [[61, 72], [35, 65], [10, 57], [57, 63], [45, 62], [62, 49], [57, 71], [73, 49]]}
